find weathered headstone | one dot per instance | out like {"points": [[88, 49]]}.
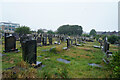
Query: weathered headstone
{"points": [[106, 45]]}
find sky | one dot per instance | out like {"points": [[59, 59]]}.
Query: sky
{"points": [[101, 15]]}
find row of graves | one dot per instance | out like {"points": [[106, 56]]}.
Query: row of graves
{"points": [[30, 42], [104, 46]]}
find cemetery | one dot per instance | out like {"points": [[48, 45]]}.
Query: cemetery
{"points": [[55, 56], [59, 39]]}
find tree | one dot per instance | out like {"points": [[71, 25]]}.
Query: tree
{"points": [[70, 30], [40, 31], [85, 35], [50, 32], [93, 32], [23, 30], [33, 31]]}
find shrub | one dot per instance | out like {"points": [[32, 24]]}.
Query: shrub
{"points": [[115, 64], [112, 39]]}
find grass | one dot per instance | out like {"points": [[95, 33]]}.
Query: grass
{"points": [[79, 56]]}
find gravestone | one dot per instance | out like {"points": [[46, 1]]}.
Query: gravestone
{"points": [[75, 41], [29, 50], [100, 41], [39, 41], [68, 42], [61, 38], [71, 42], [106, 45], [44, 41], [50, 40], [10, 43]]}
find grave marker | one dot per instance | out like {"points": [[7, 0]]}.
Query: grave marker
{"points": [[10, 43], [29, 50]]}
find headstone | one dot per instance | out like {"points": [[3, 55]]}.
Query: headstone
{"points": [[61, 38], [29, 50], [75, 39], [106, 45], [50, 39], [100, 41], [71, 42], [10, 43], [45, 41], [68, 42], [39, 41]]}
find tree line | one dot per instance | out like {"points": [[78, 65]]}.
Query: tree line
{"points": [[71, 30]]}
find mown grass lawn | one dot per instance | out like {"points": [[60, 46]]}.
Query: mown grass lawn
{"points": [[79, 56]]}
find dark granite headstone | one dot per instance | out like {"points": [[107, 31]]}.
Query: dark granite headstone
{"points": [[10, 43], [29, 50], [75, 41], [68, 42]]}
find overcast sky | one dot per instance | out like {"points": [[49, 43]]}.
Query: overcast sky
{"points": [[101, 15]]}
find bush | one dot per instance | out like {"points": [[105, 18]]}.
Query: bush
{"points": [[112, 39], [115, 64]]}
